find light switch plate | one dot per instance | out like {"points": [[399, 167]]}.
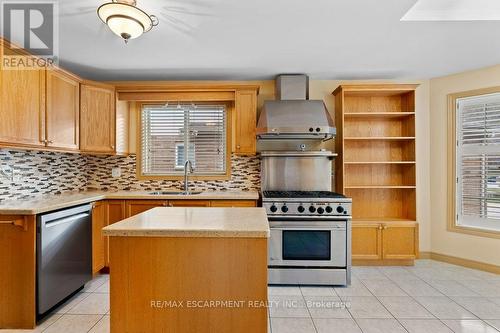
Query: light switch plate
{"points": [[116, 172]]}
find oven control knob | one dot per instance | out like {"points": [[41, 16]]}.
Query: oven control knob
{"points": [[301, 209], [340, 209], [321, 210], [328, 209], [284, 209], [273, 208], [312, 209]]}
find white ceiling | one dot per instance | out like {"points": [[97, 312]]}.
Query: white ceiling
{"points": [[241, 39], [453, 10]]}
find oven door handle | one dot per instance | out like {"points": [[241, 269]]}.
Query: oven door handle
{"points": [[306, 227]]}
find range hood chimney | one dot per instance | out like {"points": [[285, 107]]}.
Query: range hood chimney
{"points": [[293, 115]]}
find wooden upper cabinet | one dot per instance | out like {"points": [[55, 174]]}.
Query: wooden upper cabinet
{"points": [[97, 118], [122, 127], [22, 107], [246, 122], [63, 110]]}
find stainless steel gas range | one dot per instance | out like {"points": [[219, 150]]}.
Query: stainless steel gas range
{"points": [[310, 225], [310, 237]]}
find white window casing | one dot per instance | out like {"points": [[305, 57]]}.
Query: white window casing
{"points": [[173, 133], [478, 162]]}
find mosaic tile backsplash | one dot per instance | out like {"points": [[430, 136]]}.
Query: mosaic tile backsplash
{"points": [[37, 173], [245, 176]]}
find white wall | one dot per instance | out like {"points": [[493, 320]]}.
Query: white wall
{"points": [[465, 246]]}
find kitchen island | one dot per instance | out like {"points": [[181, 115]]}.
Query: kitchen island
{"points": [[177, 269]]}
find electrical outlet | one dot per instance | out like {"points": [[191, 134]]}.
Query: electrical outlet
{"points": [[7, 172], [16, 176], [116, 172]]}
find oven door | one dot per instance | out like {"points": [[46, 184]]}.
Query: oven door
{"points": [[308, 244]]}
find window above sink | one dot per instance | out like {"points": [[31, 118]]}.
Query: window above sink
{"points": [[172, 133]]}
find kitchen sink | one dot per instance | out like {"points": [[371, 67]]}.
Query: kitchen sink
{"points": [[174, 193]]}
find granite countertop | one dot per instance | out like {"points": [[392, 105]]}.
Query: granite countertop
{"points": [[48, 203], [193, 222]]}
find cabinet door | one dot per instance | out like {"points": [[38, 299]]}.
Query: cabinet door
{"points": [[233, 203], [18, 272], [98, 240], [189, 203], [134, 207], [366, 241], [246, 122], [400, 241], [122, 127], [63, 110], [115, 213], [97, 119], [22, 107]]}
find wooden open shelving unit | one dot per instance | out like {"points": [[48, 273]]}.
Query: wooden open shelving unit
{"points": [[376, 167]]}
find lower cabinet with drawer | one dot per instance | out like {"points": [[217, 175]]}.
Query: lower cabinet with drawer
{"points": [[384, 243], [107, 212], [134, 207]]}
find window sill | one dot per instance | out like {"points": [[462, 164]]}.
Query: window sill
{"points": [[181, 177], [473, 231]]}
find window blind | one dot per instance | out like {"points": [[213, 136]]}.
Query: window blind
{"points": [[172, 134], [478, 162]]}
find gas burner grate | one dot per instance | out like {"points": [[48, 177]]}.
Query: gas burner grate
{"points": [[301, 194]]}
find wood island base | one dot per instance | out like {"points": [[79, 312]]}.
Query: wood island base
{"points": [[188, 284]]}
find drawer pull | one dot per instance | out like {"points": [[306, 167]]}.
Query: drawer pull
{"points": [[18, 223]]}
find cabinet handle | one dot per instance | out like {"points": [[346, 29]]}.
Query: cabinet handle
{"points": [[50, 141], [238, 146], [112, 146], [385, 227], [380, 227]]}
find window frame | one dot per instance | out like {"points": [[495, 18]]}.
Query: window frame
{"points": [[229, 130], [452, 194]]}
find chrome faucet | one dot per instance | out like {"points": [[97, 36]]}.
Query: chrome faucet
{"points": [[187, 166]]}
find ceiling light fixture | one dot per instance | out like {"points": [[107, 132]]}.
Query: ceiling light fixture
{"points": [[125, 19]]}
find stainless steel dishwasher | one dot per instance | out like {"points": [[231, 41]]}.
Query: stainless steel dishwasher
{"points": [[64, 254]]}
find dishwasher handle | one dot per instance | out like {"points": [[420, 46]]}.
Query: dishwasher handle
{"points": [[65, 220]]}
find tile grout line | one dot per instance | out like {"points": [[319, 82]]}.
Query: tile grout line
{"points": [[97, 322], [394, 317], [354, 319], [309, 311]]}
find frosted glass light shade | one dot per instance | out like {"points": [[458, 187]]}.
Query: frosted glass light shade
{"points": [[126, 20]]}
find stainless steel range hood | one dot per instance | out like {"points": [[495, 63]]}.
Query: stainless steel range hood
{"points": [[293, 115]]}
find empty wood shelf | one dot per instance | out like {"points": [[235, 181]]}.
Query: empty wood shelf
{"points": [[379, 186], [382, 220], [379, 162], [378, 114], [374, 150], [380, 138]]}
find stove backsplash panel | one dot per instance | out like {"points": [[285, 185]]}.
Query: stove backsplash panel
{"points": [[37, 173]]}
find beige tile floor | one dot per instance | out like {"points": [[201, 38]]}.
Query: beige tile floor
{"points": [[431, 297]]}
